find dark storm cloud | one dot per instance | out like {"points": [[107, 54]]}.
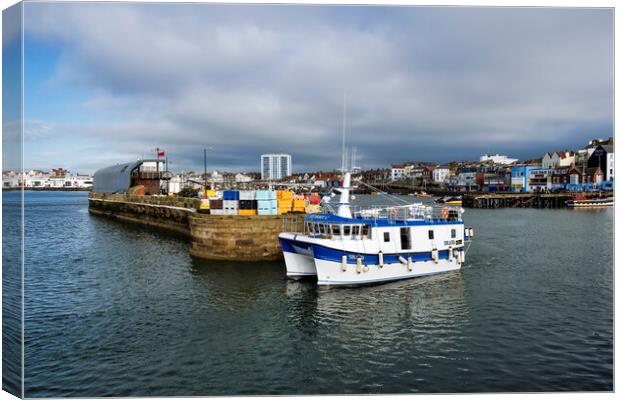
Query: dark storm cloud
{"points": [[422, 83]]}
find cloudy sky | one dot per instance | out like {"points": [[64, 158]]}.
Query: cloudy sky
{"points": [[107, 83]]}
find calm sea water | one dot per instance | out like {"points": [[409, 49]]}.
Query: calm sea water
{"points": [[119, 310]]}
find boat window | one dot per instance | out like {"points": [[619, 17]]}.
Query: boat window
{"points": [[336, 230], [365, 230], [453, 233], [356, 230], [431, 234], [405, 239], [346, 230], [386, 236], [322, 228]]}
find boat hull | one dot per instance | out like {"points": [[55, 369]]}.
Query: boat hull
{"points": [[331, 273], [298, 257], [338, 268]]}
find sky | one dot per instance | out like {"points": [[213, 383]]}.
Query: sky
{"points": [[109, 82]]}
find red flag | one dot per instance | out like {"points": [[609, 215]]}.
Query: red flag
{"points": [[161, 153]]}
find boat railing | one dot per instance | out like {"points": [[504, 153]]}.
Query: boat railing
{"points": [[417, 211]]}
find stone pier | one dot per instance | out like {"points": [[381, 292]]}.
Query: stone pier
{"points": [[215, 237]]}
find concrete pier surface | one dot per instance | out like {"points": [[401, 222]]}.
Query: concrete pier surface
{"points": [[214, 237], [534, 200]]}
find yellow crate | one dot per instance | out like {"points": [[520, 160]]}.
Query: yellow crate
{"points": [[247, 212], [299, 209], [299, 203], [283, 210], [210, 193], [284, 194], [204, 204], [285, 203]]}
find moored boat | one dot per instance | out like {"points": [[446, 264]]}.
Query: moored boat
{"points": [[451, 200], [584, 202], [377, 244]]}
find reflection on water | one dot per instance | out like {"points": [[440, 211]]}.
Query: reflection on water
{"points": [[115, 309]]}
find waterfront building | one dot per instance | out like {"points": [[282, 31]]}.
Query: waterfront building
{"points": [[498, 159], [466, 181], [275, 166], [603, 156], [120, 177], [558, 159], [242, 178], [397, 172], [441, 173], [539, 179], [519, 177]]}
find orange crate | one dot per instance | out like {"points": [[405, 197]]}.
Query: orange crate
{"points": [[247, 212]]}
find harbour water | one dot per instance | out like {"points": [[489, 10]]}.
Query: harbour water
{"points": [[114, 309]]}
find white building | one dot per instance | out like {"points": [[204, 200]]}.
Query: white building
{"points": [[558, 159], [551, 160], [609, 174], [241, 178], [498, 159], [397, 172], [275, 166], [440, 174]]}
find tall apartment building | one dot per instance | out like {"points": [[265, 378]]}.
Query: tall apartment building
{"points": [[275, 166]]}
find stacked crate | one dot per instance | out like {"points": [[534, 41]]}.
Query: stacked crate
{"points": [[313, 198], [231, 202], [266, 202], [216, 206], [285, 201], [299, 205], [247, 202]]}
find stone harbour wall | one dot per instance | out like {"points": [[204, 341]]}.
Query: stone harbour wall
{"points": [[161, 212], [214, 237], [239, 237]]}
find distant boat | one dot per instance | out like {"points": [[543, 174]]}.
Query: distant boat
{"points": [[423, 195], [583, 202], [452, 200]]}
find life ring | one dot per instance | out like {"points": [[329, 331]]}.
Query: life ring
{"points": [[444, 213]]}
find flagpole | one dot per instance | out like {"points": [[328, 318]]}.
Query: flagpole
{"points": [[157, 163]]}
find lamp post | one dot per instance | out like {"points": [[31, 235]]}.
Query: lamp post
{"points": [[205, 164]]}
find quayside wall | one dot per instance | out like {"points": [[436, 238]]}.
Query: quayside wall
{"points": [[214, 237], [240, 237], [534, 200], [157, 211]]}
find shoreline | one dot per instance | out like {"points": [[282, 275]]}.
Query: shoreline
{"points": [[45, 189]]}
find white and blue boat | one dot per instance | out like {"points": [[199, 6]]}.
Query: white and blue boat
{"points": [[373, 245]]}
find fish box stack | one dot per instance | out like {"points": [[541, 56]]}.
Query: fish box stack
{"points": [[299, 203], [216, 206], [266, 202], [231, 202], [247, 202], [285, 201]]}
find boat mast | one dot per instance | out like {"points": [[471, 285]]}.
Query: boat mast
{"points": [[344, 210]]}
